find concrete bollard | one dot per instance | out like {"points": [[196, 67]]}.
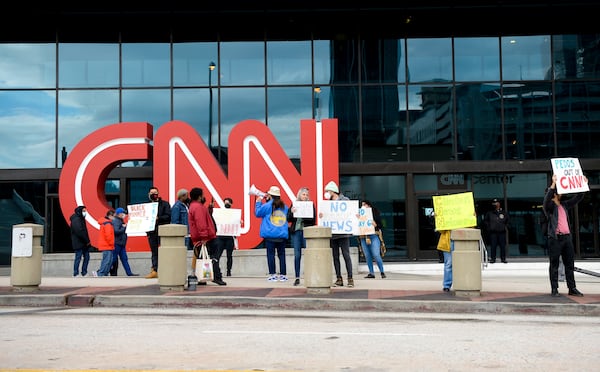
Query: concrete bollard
{"points": [[172, 257], [318, 261], [26, 261], [466, 262]]}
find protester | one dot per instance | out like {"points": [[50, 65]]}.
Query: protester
{"points": [[227, 243], [274, 230], [163, 217], [371, 244], [496, 222], [203, 231], [560, 243], [120, 226], [179, 214], [106, 243], [339, 241], [80, 240], [297, 225], [446, 246]]}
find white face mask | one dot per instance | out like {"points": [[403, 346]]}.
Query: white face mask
{"points": [[84, 214], [327, 195]]}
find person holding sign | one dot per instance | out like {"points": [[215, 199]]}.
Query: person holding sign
{"points": [[339, 241], [301, 214], [371, 243], [560, 243], [274, 229]]}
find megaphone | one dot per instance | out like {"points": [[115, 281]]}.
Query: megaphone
{"points": [[254, 191]]}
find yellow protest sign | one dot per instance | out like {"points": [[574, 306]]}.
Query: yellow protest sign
{"points": [[454, 211]]}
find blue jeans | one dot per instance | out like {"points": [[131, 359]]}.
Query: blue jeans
{"points": [[372, 251], [448, 267], [121, 253], [298, 242], [85, 253], [280, 247], [106, 263]]}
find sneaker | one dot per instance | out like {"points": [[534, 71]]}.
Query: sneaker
{"points": [[95, 274], [75, 275], [350, 282], [219, 282], [370, 276], [133, 274], [283, 278], [339, 282], [272, 278], [383, 276], [296, 282]]}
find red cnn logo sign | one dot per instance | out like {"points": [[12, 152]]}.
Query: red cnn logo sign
{"points": [[182, 159]]}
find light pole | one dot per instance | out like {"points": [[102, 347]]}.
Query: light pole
{"points": [[211, 67], [317, 113]]}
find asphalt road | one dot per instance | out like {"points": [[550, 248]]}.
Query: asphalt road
{"points": [[262, 340]]}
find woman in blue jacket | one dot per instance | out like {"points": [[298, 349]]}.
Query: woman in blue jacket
{"points": [[274, 229]]}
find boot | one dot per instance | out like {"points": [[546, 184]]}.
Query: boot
{"points": [[339, 282], [153, 274], [350, 282]]}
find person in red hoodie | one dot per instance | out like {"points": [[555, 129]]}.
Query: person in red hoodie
{"points": [[106, 243], [203, 230]]}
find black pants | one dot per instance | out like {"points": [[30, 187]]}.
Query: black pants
{"points": [[498, 239], [214, 252], [227, 246], [342, 244], [154, 241], [561, 246]]}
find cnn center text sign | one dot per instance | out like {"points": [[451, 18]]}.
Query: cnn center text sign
{"points": [[181, 159], [454, 211]]}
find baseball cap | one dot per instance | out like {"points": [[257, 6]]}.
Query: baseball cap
{"points": [[494, 201], [120, 210]]}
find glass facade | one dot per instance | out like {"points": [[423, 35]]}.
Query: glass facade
{"points": [[418, 116]]}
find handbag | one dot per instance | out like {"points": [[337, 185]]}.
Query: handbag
{"points": [[204, 265]]}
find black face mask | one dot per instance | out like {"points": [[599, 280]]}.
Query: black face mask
{"points": [[187, 201], [154, 197], [228, 205]]}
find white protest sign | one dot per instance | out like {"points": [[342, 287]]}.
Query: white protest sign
{"points": [[340, 215], [228, 221], [365, 221], [303, 209], [22, 242], [141, 218], [569, 176]]}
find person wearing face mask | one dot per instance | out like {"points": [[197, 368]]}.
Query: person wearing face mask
{"points": [[339, 241], [163, 217], [179, 214], [80, 240], [297, 225], [227, 243]]}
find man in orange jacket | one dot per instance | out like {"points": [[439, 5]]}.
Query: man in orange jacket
{"points": [[106, 243]]}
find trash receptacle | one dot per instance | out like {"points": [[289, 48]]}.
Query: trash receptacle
{"points": [[318, 261], [26, 261], [172, 257], [466, 262]]}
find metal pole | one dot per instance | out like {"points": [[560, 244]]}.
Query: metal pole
{"points": [[211, 67]]}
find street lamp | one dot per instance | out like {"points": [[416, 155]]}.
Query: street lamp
{"points": [[317, 113], [211, 67]]}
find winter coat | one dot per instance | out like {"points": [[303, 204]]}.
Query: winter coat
{"points": [[120, 236], [274, 223], [79, 233], [106, 238], [551, 209]]}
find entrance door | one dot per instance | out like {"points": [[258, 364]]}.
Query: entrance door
{"points": [[428, 237]]}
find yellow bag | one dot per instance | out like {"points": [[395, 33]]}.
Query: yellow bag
{"points": [[444, 242], [382, 247]]}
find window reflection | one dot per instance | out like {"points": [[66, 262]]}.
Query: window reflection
{"points": [[383, 61], [146, 64], [190, 63], [28, 66], [477, 59], [288, 62], [242, 63], [287, 106], [344, 107], [27, 129], [526, 58], [429, 60], [322, 61], [80, 112], [379, 122], [88, 65], [191, 106], [238, 104]]}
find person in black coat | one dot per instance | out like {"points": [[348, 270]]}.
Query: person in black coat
{"points": [[163, 217], [80, 240]]}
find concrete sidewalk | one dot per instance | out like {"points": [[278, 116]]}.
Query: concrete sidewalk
{"points": [[519, 287]]}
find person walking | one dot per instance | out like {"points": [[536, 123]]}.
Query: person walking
{"points": [[274, 230], [179, 214], [80, 240], [339, 242], [119, 226], [203, 231], [163, 217], [106, 243], [297, 225], [496, 222], [227, 243], [371, 244], [560, 243]]}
